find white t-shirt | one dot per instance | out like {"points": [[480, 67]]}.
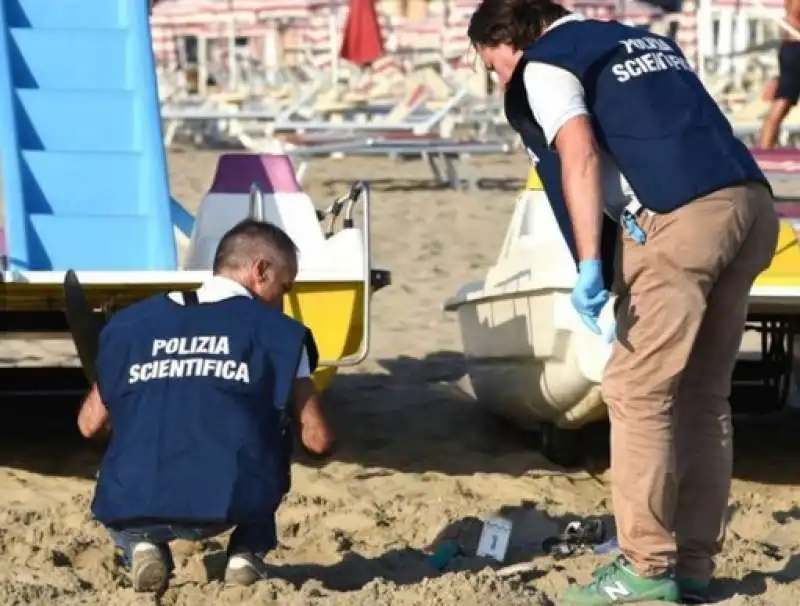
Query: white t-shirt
{"points": [[556, 96], [219, 288]]}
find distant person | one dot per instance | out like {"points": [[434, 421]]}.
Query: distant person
{"points": [[784, 92], [201, 389], [655, 195]]}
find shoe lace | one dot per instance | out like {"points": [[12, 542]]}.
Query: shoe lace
{"points": [[603, 573], [602, 570]]}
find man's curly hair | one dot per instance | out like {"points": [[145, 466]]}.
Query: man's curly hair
{"points": [[518, 23]]}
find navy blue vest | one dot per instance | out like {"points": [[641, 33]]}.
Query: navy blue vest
{"points": [[649, 112], [191, 394]]}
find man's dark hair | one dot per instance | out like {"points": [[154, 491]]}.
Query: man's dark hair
{"points": [[247, 241], [518, 23]]}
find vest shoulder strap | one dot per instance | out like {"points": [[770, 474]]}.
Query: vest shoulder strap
{"points": [[190, 298]]}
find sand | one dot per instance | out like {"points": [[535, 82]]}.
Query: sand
{"points": [[417, 461]]}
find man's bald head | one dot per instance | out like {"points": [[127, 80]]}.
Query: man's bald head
{"points": [[250, 241]]}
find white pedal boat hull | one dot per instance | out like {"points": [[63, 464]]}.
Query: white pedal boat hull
{"points": [[529, 357]]}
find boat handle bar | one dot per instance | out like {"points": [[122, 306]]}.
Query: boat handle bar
{"points": [[360, 191]]}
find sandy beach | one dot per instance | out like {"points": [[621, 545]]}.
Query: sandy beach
{"points": [[417, 461]]}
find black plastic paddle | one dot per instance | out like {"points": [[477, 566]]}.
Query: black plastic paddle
{"points": [[84, 324]]}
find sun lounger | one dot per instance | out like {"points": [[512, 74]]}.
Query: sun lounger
{"points": [[778, 164], [451, 153]]}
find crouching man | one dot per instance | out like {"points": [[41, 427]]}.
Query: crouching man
{"points": [[201, 389]]}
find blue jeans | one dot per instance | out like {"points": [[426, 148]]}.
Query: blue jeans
{"points": [[258, 539]]}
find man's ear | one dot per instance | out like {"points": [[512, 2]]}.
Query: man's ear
{"points": [[265, 270]]}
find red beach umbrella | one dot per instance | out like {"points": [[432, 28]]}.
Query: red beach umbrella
{"points": [[362, 42]]}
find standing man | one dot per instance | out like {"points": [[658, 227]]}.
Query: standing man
{"points": [[200, 388], [654, 193], [787, 89]]}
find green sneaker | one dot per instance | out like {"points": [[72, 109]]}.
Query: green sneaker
{"points": [[694, 591], [616, 583]]}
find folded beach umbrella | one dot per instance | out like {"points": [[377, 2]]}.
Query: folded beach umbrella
{"points": [[668, 6], [362, 42]]}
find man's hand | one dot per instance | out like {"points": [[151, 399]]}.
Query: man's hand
{"points": [[590, 295], [315, 433], [93, 418]]}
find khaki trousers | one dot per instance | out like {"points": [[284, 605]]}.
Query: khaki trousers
{"points": [[682, 305]]}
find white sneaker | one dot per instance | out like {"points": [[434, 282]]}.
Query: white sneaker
{"points": [[148, 568], [245, 569]]}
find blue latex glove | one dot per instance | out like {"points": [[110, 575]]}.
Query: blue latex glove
{"points": [[589, 294], [630, 224]]}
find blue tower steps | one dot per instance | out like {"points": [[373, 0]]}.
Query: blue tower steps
{"points": [[83, 163]]}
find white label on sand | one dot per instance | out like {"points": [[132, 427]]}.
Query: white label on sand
{"points": [[494, 538]]}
